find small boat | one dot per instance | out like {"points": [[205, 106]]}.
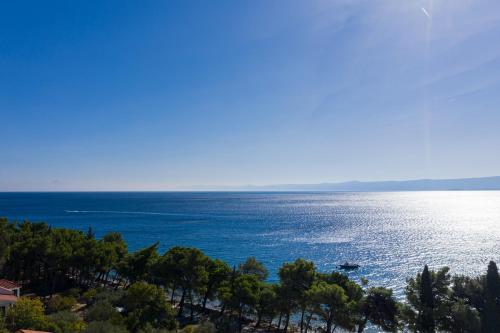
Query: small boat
{"points": [[347, 266]]}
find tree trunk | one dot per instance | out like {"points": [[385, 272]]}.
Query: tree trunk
{"points": [[362, 325], [286, 322], [173, 294], [279, 320], [329, 323], [205, 297], [308, 321], [302, 319], [191, 305], [240, 320], [181, 304], [259, 318]]}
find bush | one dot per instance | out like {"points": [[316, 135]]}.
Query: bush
{"points": [[66, 322], [73, 292], [205, 327], [150, 329], [60, 303], [27, 313], [103, 311], [111, 296], [88, 296], [104, 327]]}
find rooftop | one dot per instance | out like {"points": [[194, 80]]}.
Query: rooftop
{"points": [[9, 284], [8, 298]]}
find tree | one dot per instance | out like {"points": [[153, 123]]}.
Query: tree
{"points": [[380, 308], [187, 269], [104, 311], [330, 302], [27, 314], [491, 316], [60, 303], [66, 322], [104, 327], [429, 301], [241, 295], [218, 272], [295, 279], [144, 304], [137, 266], [253, 267], [266, 301], [425, 319]]}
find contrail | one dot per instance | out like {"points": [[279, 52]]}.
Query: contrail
{"points": [[426, 13]]}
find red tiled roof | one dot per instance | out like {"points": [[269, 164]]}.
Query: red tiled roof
{"points": [[8, 298], [30, 331], [5, 291], [9, 284]]}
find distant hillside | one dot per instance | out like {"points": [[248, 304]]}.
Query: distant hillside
{"points": [[486, 183]]}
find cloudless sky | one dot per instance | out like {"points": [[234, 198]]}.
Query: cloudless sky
{"points": [[151, 95]]}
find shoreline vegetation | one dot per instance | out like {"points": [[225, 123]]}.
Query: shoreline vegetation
{"points": [[73, 282]]}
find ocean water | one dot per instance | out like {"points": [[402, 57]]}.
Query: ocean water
{"points": [[391, 235]]}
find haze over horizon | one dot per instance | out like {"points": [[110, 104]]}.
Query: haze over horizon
{"points": [[106, 95]]}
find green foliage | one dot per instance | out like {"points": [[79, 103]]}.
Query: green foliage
{"points": [[146, 304], [241, 295], [66, 322], [89, 295], [28, 314], [491, 315], [63, 260], [295, 279], [3, 326], [137, 266], [253, 267], [104, 327], [187, 269], [113, 297], [380, 308], [205, 327], [425, 318], [60, 303], [150, 329], [329, 302], [104, 311], [53, 259], [266, 302], [218, 272], [72, 292], [428, 300]]}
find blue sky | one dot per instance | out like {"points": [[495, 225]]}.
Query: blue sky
{"points": [[152, 95]]}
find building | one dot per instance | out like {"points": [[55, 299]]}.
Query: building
{"points": [[31, 331], [12, 286], [9, 293]]}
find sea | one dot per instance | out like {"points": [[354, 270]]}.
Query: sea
{"points": [[391, 235]]}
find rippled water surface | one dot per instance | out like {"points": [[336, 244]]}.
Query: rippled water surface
{"points": [[392, 235]]}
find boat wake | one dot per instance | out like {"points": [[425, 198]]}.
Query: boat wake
{"points": [[126, 212]]}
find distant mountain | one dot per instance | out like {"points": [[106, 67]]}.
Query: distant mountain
{"points": [[465, 184]]}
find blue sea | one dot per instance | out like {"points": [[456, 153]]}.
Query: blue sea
{"points": [[391, 235]]}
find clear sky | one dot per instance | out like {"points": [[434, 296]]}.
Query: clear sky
{"points": [[151, 95]]}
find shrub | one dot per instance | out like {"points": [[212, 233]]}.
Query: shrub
{"points": [[104, 327], [205, 327], [73, 292], [103, 311], [88, 296], [27, 313], [60, 303], [66, 322]]}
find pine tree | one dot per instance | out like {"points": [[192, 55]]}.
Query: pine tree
{"points": [[426, 316], [491, 315]]}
